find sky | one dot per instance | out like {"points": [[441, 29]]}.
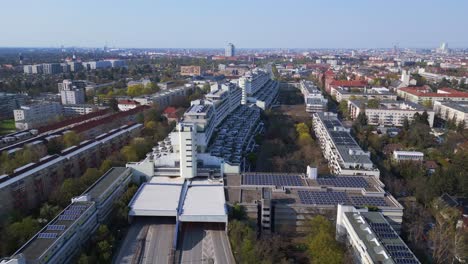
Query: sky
{"points": [[246, 23]]}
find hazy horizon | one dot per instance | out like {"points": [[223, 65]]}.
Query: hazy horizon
{"points": [[210, 24]]}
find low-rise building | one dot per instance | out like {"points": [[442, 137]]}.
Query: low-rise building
{"points": [[80, 109], [125, 105], [342, 93], [400, 155], [388, 112], [456, 111], [191, 70]]}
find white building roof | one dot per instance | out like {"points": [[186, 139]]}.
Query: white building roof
{"points": [[204, 203], [156, 200]]}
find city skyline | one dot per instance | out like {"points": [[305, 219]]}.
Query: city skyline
{"points": [[315, 24]]}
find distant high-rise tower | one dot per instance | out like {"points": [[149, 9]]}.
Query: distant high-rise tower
{"points": [[443, 48], [230, 50], [21, 58]]}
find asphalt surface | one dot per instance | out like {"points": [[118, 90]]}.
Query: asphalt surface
{"points": [[149, 240], [159, 239], [204, 243]]}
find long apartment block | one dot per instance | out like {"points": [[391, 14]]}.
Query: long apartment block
{"points": [[28, 186], [344, 155], [313, 98], [61, 239]]}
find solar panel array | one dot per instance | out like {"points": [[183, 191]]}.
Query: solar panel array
{"points": [[56, 227], [67, 217], [401, 254], [47, 235], [371, 201], [72, 213], [348, 181], [273, 179], [323, 198], [384, 231], [334, 198]]}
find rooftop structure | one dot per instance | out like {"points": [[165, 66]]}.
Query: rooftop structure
{"points": [[294, 197], [372, 237], [342, 93], [388, 112], [425, 94], [344, 155], [313, 98], [400, 155]]}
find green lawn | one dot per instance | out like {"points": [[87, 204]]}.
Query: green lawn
{"points": [[7, 126]]}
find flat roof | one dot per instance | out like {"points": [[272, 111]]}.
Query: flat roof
{"points": [[156, 199], [204, 202], [101, 185], [389, 247], [35, 247]]}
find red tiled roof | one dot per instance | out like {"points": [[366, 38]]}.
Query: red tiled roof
{"points": [[430, 164], [355, 83], [170, 110], [329, 72], [426, 92]]}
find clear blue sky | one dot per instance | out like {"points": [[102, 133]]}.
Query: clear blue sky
{"points": [[246, 23]]}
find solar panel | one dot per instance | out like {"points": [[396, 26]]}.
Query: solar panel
{"points": [[273, 179], [56, 227], [406, 261], [67, 217], [384, 230], [323, 198], [348, 181], [72, 212], [366, 200], [47, 235]]}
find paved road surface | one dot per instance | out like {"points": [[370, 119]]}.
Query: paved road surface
{"points": [[204, 243], [149, 240], [159, 241]]}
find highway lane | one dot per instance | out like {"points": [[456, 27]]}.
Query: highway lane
{"points": [[205, 243], [159, 241], [130, 245]]}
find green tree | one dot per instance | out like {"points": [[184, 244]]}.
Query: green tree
{"points": [[48, 211], [71, 139], [129, 153], [373, 103], [343, 108], [18, 233], [322, 246]]}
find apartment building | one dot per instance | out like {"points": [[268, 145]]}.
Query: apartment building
{"points": [[371, 237], [313, 98], [35, 115], [62, 238], [424, 94], [345, 93], [28, 186], [51, 68], [253, 81], [72, 92], [344, 155], [167, 97], [452, 111], [10, 102], [388, 112], [331, 83]]}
